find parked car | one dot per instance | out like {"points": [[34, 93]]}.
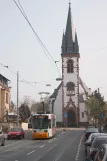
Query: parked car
{"points": [[90, 139], [16, 133], [96, 144], [2, 138], [102, 153], [90, 131], [91, 126]]}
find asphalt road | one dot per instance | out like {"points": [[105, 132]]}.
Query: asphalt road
{"points": [[65, 146]]}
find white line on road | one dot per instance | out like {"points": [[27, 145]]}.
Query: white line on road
{"points": [[10, 149], [78, 151], [31, 152], [58, 135], [58, 156], [52, 147], [50, 141], [42, 146], [12, 144]]}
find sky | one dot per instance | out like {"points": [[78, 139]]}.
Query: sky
{"points": [[20, 50]]}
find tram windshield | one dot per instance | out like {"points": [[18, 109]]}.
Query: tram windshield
{"points": [[40, 122]]}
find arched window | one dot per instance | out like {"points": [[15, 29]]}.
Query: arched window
{"points": [[70, 88], [70, 66]]}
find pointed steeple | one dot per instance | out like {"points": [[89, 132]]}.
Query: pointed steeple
{"points": [[69, 32], [76, 48], [69, 39]]}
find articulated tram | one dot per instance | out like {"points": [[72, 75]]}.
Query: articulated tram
{"points": [[43, 125]]}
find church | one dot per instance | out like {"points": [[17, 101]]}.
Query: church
{"points": [[68, 101]]}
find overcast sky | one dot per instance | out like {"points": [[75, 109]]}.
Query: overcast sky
{"points": [[20, 49]]}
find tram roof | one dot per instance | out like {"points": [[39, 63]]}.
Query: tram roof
{"points": [[36, 114], [51, 116]]}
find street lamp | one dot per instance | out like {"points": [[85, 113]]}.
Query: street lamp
{"points": [[59, 79], [47, 93]]}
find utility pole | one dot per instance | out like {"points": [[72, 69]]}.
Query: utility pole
{"points": [[99, 109], [17, 98]]}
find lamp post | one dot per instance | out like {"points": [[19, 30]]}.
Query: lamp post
{"points": [[17, 98], [43, 103]]}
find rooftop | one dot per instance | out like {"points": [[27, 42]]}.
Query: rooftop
{"points": [[1, 76]]}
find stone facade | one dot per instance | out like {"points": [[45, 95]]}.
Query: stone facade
{"points": [[4, 97]]}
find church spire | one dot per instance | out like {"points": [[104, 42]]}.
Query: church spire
{"points": [[69, 33], [70, 40]]}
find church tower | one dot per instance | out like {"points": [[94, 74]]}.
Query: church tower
{"points": [[70, 74]]}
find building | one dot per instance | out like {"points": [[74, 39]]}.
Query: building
{"points": [[4, 97], [68, 100]]}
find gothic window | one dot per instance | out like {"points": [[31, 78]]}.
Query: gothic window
{"points": [[70, 88], [82, 114], [70, 66]]}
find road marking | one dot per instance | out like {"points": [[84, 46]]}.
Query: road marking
{"points": [[52, 147], [50, 141], [31, 152], [58, 156], [45, 153], [58, 135], [42, 146], [78, 151], [11, 144], [9, 149]]}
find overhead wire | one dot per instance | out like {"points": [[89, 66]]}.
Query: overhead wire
{"points": [[21, 9], [30, 83], [23, 13]]}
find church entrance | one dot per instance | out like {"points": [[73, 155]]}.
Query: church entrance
{"points": [[71, 119]]}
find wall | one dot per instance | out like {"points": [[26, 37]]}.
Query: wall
{"points": [[58, 105], [70, 77], [24, 126], [83, 109], [3, 104]]}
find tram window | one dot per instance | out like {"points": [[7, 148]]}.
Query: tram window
{"points": [[53, 123], [49, 124]]}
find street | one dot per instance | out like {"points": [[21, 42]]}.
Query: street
{"points": [[65, 146]]}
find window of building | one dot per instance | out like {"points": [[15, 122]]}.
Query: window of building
{"points": [[70, 88], [82, 114], [7, 98], [70, 66]]}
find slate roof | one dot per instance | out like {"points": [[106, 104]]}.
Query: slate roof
{"points": [[56, 91]]}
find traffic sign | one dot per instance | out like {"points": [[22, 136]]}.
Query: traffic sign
{"points": [[65, 115], [102, 115]]}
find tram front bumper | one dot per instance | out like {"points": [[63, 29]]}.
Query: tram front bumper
{"points": [[38, 135]]}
